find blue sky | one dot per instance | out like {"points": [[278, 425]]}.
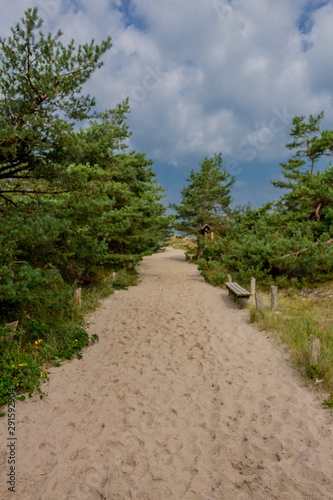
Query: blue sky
{"points": [[206, 76]]}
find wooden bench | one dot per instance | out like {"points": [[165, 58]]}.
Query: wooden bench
{"points": [[238, 293]]}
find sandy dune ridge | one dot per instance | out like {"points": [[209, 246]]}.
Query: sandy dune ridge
{"points": [[181, 399]]}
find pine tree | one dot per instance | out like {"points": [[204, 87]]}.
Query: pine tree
{"points": [[310, 148], [205, 199], [40, 85]]}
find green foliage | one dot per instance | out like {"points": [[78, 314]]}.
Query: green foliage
{"points": [[74, 205], [288, 241], [310, 147], [74, 210], [268, 249], [205, 199], [213, 272], [20, 371], [124, 279], [329, 402], [37, 343], [40, 78]]}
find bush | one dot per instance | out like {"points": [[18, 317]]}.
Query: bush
{"points": [[34, 346]]}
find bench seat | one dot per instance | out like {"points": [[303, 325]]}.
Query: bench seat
{"points": [[239, 293]]}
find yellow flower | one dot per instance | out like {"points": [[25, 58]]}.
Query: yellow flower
{"points": [[36, 342], [13, 366], [40, 340]]}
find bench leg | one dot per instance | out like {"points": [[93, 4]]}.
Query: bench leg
{"points": [[243, 302]]}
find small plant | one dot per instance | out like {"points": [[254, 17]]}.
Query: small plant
{"points": [[124, 279], [19, 370], [328, 403], [23, 360], [314, 372]]}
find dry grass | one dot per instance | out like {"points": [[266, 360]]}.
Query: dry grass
{"points": [[301, 314], [188, 244]]}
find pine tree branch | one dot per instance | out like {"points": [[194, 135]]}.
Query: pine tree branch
{"points": [[329, 242]]}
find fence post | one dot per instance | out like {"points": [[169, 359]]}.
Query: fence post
{"points": [[253, 286], [78, 295], [259, 302], [253, 290], [314, 350], [274, 299]]}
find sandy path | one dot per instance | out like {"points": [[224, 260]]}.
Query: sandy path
{"points": [[180, 399]]}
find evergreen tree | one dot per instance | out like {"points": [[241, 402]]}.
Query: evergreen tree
{"points": [[40, 85], [205, 199], [309, 192], [74, 205], [289, 241], [310, 147]]}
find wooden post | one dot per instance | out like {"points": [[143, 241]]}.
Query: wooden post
{"points": [[253, 291], [314, 350], [243, 302], [274, 299], [186, 255], [78, 295], [259, 302], [114, 275], [229, 279], [253, 286], [210, 259]]}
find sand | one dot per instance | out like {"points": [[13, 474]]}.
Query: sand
{"points": [[181, 399]]}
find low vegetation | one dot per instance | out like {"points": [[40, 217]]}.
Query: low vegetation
{"points": [[189, 245], [301, 314], [49, 338]]}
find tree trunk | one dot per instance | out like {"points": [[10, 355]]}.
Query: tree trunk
{"points": [[200, 249]]}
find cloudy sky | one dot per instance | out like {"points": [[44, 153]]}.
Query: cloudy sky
{"points": [[205, 76]]}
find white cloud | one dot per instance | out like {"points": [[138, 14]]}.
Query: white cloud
{"points": [[204, 76]]}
